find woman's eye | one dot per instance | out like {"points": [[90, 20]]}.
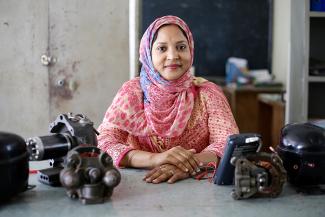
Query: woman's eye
{"points": [[161, 49], [182, 47]]}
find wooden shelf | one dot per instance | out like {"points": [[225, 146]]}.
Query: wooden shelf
{"points": [[316, 78], [245, 107], [316, 14], [271, 115]]}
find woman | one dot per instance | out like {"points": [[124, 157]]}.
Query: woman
{"points": [[167, 120]]}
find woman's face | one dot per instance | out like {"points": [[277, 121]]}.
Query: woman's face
{"points": [[171, 55]]}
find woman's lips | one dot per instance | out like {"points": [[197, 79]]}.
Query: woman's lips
{"points": [[173, 66]]}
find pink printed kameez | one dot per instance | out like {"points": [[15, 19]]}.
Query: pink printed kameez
{"points": [[210, 123]]}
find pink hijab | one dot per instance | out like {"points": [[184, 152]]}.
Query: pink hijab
{"points": [[164, 107]]}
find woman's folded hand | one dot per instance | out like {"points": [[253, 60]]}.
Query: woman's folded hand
{"points": [[183, 159], [165, 173]]}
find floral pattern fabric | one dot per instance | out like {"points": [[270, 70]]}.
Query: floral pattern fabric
{"points": [[207, 129]]}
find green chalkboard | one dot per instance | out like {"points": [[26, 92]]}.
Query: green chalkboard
{"points": [[221, 29]]}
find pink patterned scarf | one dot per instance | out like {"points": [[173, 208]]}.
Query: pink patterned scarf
{"points": [[165, 106]]}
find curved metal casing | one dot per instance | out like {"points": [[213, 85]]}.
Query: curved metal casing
{"points": [[14, 166], [302, 149]]}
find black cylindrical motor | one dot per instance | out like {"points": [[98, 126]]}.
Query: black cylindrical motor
{"points": [[49, 147], [302, 149], [14, 167]]}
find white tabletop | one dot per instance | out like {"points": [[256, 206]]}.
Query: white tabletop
{"points": [[134, 197]]}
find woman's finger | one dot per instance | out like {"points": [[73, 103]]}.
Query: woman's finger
{"points": [[181, 162], [151, 172], [195, 164], [198, 162], [183, 156], [158, 175], [186, 158], [179, 175], [171, 158], [194, 161], [163, 177], [192, 150], [153, 175]]}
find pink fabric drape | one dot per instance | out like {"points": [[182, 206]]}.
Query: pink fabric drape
{"points": [[166, 106]]}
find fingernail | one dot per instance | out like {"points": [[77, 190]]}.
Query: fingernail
{"points": [[186, 170], [201, 164], [198, 170], [194, 173]]}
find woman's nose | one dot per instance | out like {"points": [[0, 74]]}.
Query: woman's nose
{"points": [[172, 54]]}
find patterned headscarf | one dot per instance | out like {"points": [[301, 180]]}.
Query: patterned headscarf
{"points": [[166, 106]]}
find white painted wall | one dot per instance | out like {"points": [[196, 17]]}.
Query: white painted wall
{"points": [[281, 39], [134, 36]]}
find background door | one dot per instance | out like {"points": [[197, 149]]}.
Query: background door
{"points": [[24, 98], [89, 39], [88, 43]]}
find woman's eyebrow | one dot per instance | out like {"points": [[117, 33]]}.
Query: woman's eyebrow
{"points": [[159, 42], [177, 42]]}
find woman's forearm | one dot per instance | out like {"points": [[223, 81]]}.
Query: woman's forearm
{"points": [[206, 157], [138, 159]]}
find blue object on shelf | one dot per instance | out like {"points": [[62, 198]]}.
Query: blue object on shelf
{"points": [[317, 5], [232, 73], [235, 75]]}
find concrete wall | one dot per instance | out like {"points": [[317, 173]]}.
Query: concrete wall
{"points": [[89, 40], [281, 39]]}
